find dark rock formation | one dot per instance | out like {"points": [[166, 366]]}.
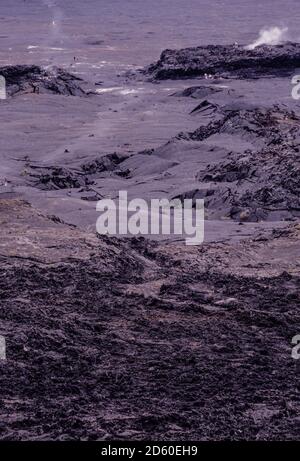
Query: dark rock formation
{"points": [[51, 178], [205, 107], [103, 164], [34, 79], [198, 92], [227, 61], [271, 126], [58, 177], [262, 183]]}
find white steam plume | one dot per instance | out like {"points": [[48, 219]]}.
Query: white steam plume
{"points": [[56, 19], [270, 36]]}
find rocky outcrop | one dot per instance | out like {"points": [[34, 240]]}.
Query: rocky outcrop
{"points": [[274, 126], [261, 183], [226, 61], [59, 177], [198, 92], [34, 79]]}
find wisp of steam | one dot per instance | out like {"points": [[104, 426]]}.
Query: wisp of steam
{"points": [[57, 16], [271, 36]]}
